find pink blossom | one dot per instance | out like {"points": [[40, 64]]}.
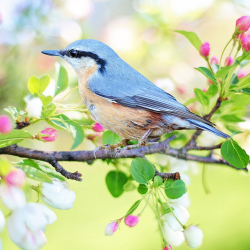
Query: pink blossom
{"points": [[5, 124], [16, 177], [181, 90], [214, 60], [204, 49], [51, 134], [131, 220], [242, 35], [98, 127], [243, 23], [168, 247], [229, 60], [241, 74], [245, 43], [111, 228]]}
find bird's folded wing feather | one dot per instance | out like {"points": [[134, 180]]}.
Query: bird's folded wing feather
{"points": [[141, 94]]}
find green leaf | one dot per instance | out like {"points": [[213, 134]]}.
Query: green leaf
{"points": [[109, 137], [246, 91], [62, 80], [222, 72], [46, 100], [115, 181], [15, 112], [14, 137], [201, 97], [142, 189], [48, 110], [234, 80], [5, 166], [142, 170], [192, 37], [212, 91], [191, 100], [158, 181], [133, 208], [174, 189], [129, 186], [231, 118], [207, 73], [38, 86], [234, 154], [75, 130]]}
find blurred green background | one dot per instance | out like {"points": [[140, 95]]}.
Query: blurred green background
{"points": [[141, 32]]}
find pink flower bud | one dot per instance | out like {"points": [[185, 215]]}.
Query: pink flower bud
{"points": [[16, 177], [204, 49], [241, 74], [51, 134], [229, 60], [168, 247], [93, 136], [214, 60], [243, 23], [5, 124], [98, 127], [111, 228], [245, 43], [131, 220]]}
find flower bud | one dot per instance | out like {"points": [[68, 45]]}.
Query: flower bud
{"points": [[168, 247], [181, 213], [175, 238], [245, 43], [111, 228], [193, 236], [57, 194], [98, 127], [214, 60], [229, 60], [92, 137], [16, 177], [34, 106], [131, 220], [204, 49], [51, 134], [5, 124], [243, 23], [241, 74]]}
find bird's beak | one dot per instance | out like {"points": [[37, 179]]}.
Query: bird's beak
{"points": [[51, 52]]}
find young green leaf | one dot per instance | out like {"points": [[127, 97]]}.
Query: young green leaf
{"points": [[14, 137], [142, 189], [46, 100], [129, 186], [174, 189], [142, 170], [207, 73], [192, 37], [115, 180], [48, 110], [62, 80], [234, 154], [110, 138], [158, 181], [5, 166], [231, 118], [201, 97], [38, 86], [222, 72], [212, 91], [15, 112], [246, 91], [133, 208]]}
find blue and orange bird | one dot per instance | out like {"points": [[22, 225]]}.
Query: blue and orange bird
{"points": [[121, 99]]}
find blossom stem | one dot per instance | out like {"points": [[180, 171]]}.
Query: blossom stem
{"points": [[183, 226], [67, 94], [145, 204], [224, 51]]}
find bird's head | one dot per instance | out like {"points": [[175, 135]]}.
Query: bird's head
{"points": [[86, 53]]}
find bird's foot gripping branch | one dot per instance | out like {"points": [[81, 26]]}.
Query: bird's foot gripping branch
{"points": [[161, 181]]}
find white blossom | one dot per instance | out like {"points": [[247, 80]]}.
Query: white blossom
{"points": [[12, 196], [175, 238], [34, 106], [57, 194], [193, 236], [180, 212], [2, 221], [27, 224], [183, 200]]}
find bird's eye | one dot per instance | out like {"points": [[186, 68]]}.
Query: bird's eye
{"points": [[73, 53]]}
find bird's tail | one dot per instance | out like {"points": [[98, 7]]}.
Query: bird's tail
{"points": [[208, 127]]}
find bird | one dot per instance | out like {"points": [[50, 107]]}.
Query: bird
{"points": [[124, 101]]}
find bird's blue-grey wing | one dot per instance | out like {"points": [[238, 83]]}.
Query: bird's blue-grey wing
{"points": [[135, 91]]}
